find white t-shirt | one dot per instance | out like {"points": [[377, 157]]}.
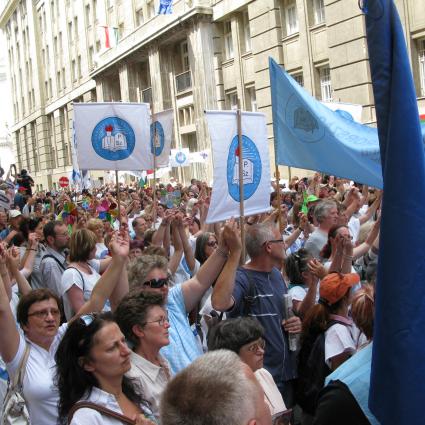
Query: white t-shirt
{"points": [[84, 281], [101, 250], [354, 228], [183, 273], [39, 391], [340, 339]]}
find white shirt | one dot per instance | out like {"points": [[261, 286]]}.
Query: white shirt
{"points": [[87, 416], [151, 378], [340, 339], [39, 391], [83, 280]]}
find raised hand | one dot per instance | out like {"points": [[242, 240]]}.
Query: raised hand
{"points": [[231, 236], [120, 244]]}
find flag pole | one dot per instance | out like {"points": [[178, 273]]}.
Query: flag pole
{"points": [[118, 196], [278, 197], [241, 188], [154, 171]]}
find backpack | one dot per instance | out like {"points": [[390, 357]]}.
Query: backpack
{"points": [[312, 371], [15, 411]]}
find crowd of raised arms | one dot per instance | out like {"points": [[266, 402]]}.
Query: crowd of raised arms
{"points": [[125, 306]]}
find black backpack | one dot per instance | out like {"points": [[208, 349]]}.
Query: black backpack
{"points": [[312, 371]]}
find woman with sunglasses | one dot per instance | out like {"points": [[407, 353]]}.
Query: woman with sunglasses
{"points": [[206, 243], [244, 336], [92, 360], [144, 321], [38, 314]]}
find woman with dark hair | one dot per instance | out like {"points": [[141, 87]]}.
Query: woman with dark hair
{"points": [[91, 361], [244, 336], [303, 272], [206, 243], [144, 321], [83, 272]]}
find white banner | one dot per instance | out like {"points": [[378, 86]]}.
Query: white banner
{"points": [[179, 157], [202, 156], [161, 136], [225, 197], [112, 136]]}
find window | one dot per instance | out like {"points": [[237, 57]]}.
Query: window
{"points": [[74, 70], [91, 57], [228, 40], [318, 11], [421, 59], [325, 84], [150, 8], [184, 50], [58, 80], [246, 32], [79, 66], [232, 101], [63, 78], [139, 17], [251, 99], [291, 17], [299, 78], [87, 13], [70, 32], [76, 28]]}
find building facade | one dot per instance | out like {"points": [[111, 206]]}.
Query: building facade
{"points": [[208, 54]]}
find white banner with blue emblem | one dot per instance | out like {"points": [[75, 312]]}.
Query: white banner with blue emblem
{"points": [[113, 136], [180, 157], [225, 196], [161, 137]]}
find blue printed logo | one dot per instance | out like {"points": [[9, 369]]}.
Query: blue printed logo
{"points": [[344, 114], [157, 138], [252, 168], [302, 123], [180, 157], [113, 139]]}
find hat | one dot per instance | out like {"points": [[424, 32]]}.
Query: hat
{"points": [[334, 286], [14, 213], [311, 198]]}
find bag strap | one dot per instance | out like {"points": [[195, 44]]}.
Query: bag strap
{"points": [[18, 379], [105, 411], [57, 261], [81, 275]]}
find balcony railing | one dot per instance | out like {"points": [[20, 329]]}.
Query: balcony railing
{"points": [[183, 81], [147, 95]]}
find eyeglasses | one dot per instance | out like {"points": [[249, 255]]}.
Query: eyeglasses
{"points": [[212, 244], [42, 314], [257, 346], [156, 283], [62, 235], [161, 322], [275, 241]]}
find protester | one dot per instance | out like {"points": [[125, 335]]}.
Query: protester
{"points": [[261, 281], [244, 336], [82, 273], [92, 360], [144, 322], [217, 388], [38, 314], [25, 181], [96, 226]]}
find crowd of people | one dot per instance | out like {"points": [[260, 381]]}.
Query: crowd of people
{"points": [[122, 305]]}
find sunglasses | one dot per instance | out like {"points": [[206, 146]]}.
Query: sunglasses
{"points": [[212, 244], [256, 347], [156, 283]]}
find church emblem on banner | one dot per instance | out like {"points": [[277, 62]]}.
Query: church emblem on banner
{"points": [[180, 157], [113, 139], [302, 123], [252, 168], [157, 138]]}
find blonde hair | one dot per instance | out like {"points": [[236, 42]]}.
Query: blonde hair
{"points": [[94, 223], [82, 243], [363, 309]]}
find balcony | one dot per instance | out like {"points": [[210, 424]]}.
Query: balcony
{"points": [[147, 95], [183, 81]]}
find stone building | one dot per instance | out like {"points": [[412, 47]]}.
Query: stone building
{"points": [[208, 54]]}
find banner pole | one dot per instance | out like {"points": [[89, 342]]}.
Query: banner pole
{"points": [[118, 196], [278, 197], [154, 172], [241, 188]]}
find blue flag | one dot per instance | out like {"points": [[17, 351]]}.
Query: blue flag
{"points": [[397, 393], [165, 7], [309, 135]]}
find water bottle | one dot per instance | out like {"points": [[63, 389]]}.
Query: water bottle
{"points": [[288, 312]]}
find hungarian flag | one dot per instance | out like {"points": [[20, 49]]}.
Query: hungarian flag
{"points": [[110, 35]]}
